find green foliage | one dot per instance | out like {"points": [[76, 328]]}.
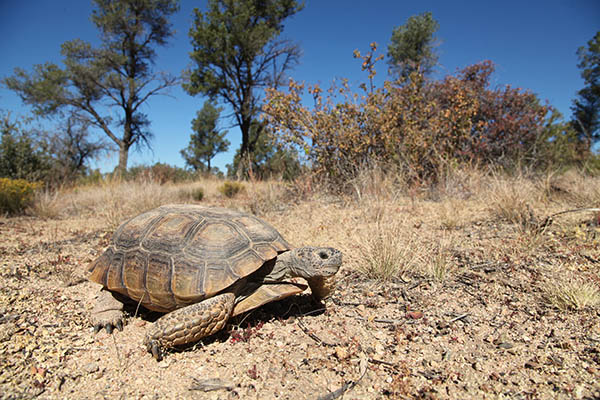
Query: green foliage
{"points": [[20, 155], [267, 160], [197, 194], [20, 159], [55, 157], [230, 189], [236, 54], [160, 173], [118, 74], [586, 107], [411, 48], [16, 194], [206, 141], [559, 145]]}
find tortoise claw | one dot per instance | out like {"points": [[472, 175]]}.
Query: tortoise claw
{"points": [[97, 328], [119, 325], [109, 328], [154, 348]]}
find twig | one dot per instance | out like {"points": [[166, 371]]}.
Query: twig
{"points": [[312, 335], [347, 386], [478, 297], [375, 361], [549, 219], [463, 316], [210, 384], [382, 321], [574, 210]]}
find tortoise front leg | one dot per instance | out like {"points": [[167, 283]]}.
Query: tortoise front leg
{"points": [[189, 324], [107, 312]]}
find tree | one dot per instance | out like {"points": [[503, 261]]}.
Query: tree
{"points": [[20, 155], [206, 141], [586, 107], [54, 156], [118, 74], [237, 53], [412, 46], [267, 160], [71, 148]]}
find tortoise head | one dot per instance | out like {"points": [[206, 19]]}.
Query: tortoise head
{"points": [[317, 265]]}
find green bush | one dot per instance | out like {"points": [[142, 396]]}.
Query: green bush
{"points": [[16, 194], [230, 189], [197, 194]]}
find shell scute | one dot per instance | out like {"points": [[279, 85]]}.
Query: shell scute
{"points": [[167, 234]]}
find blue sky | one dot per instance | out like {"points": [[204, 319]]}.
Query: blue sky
{"points": [[532, 43]]}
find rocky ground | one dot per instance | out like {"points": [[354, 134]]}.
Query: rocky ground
{"points": [[481, 325]]}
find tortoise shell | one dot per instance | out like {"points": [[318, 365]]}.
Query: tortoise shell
{"points": [[177, 255]]}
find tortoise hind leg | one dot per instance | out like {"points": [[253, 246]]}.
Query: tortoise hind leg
{"points": [[189, 324]]}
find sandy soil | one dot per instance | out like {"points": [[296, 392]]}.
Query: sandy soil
{"points": [[483, 330]]}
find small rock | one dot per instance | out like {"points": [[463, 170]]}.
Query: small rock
{"points": [[341, 353], [532, 364], [91, 368]]}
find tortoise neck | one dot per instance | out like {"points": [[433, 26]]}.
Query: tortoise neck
{"points": [[321, 287], [283, 268]]}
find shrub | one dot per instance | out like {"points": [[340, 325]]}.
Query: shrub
{"points": [[160, 173], [420, 127], [230, 189], [197, 194], [16, 194]]}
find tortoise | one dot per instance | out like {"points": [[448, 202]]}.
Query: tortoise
{"points": [[201, 266]]}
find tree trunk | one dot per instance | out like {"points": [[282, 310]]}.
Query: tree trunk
{"points": [[123, 156]]}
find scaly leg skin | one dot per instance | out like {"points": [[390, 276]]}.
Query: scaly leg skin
{"points": [[107, 312], [189, 324]]}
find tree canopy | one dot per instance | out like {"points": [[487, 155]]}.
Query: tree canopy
{"points": [[116, 75], [237, 53], [586, 107], [412, 46], [206, 141]]}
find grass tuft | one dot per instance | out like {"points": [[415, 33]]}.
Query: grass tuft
{"points": [[230, 189], [571, 294], [46, 204], [388, 254]]}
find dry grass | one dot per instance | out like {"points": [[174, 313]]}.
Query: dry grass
{"points": [[456, 273], [568, 293], [513, 200], [438, 264], [572, 189], [388, 253], [46, 205]]}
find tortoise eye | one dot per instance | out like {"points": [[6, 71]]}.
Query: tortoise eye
{"points": [[323, 255]]}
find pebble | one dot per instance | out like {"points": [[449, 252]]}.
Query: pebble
{"points": [[91, 368]]}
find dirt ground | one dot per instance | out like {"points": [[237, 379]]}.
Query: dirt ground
{"points": [[479, 328]]}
